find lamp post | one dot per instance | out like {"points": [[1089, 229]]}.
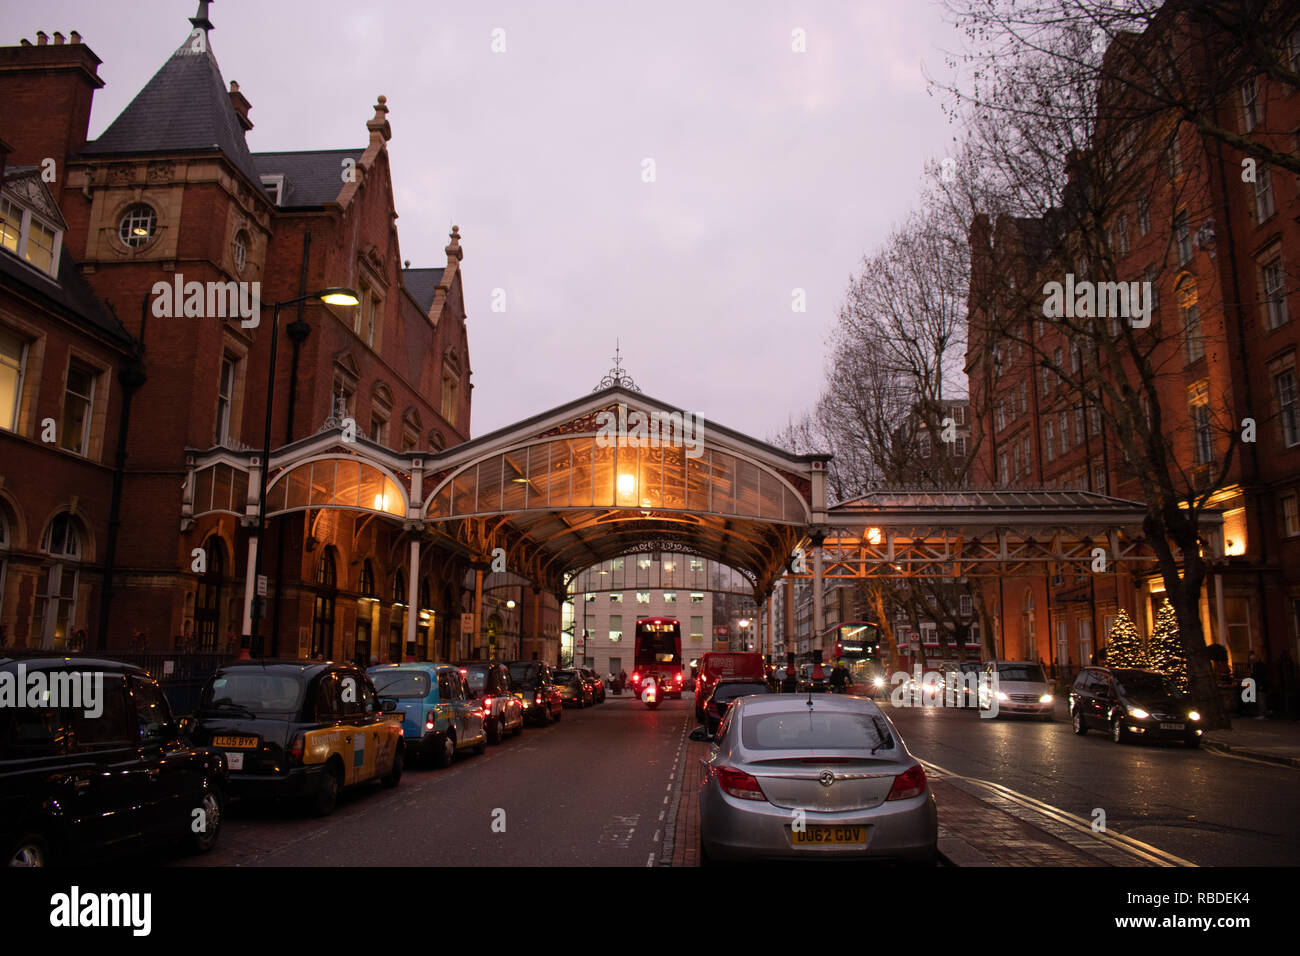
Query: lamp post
{"points": [[743, 623], [252, 641]]}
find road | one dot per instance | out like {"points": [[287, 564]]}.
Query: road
{"points": [[1208, 809], [591, 790], [599, 787]]}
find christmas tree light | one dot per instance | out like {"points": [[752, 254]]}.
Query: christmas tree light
{"points": [[1125, 644], [1166, 647]]}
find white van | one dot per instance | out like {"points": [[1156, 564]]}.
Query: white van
{"points": [[1021, 688]]}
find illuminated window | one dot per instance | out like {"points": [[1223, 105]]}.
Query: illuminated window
{"points": [[13, 360], [138, 225], [642, 597], [615, 597], [697, 597], [670, 597]]}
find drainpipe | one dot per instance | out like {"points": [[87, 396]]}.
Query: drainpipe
{"points": [[131, 377]]}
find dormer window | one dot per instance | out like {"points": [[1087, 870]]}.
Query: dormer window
{"points": [[29, 237], [274, 186], [138, 225]]}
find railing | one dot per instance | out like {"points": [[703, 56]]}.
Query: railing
{"points": [[182, 676]]}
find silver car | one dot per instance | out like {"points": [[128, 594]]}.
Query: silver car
{"points": [[785, 780]]}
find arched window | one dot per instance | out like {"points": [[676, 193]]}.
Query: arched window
{"points": [[367, 616], [56, 587], [138, 225], [207, 603], [322, 629]]}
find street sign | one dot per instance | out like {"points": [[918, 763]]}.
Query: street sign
{"points": [[261, 585], [721, 630], [467, 623]]}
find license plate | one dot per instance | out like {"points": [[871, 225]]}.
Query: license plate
{"points": [[234, 761], [241, 743], [820, 835], [1172, 726]]}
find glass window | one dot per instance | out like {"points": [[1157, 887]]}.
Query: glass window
{"points": [[615, 597], [1204, 436], [1290, 516], [225, 397], [616, 564], [697, 564], [1183, 237], [1144, 215], [11, 225], [697, 627], [138, 225], [78, 398], [615, 628], [1264, 207], [1049, 441], [114, 727], [40, 246], [13, 356], [241, 250], [1250, 111], [697, 597], [643, 563], [449, 399], [1287, 412], [151, 710], [670, 597], [1274, 292], [642, 597], [1192, 327]]}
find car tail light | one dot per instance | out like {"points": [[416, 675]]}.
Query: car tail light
{"points": [[635, 677], [539, 698], [487, 705], [739, 784], [296, 747], [679, 678], [429, 723], [910, 783]]}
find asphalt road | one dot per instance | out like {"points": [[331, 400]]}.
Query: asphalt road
{"points": [[1208, 809], [593, 789]]}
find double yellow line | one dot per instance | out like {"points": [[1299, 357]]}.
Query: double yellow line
{"points": [[1143, 851]]}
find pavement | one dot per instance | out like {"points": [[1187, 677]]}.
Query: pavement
{"points": [[1272, 740]]}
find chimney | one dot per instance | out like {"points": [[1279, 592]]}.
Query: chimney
{"points": [[55, 82], [241, 105], [75, 36]]}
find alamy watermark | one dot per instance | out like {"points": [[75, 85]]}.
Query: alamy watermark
{"points": [[1101, 300], [76, 690], [220, 300], [651, 430]]}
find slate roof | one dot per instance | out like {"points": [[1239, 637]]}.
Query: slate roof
{"points": [[422, 284], [311, 177], [186, 106], [71, 295]]}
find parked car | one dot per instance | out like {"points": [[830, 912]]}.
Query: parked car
{"points": [[1021, 687], [722, 695], [434, 710], [841, 762], [573, 689], [489, 687], [1132, 704], [597, 683], [722, 665], [299, 730], [531, 682], [106, 771]]}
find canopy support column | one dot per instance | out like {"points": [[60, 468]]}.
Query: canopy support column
{"points": [[818, 624], [250, 583], [477, 637], [412, 599]]}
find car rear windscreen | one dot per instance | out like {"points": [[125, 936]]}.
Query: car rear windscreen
{"points": [[524, 673], [732, 691], [254, 691], [810, 730], [401, 683], [476, 678]]}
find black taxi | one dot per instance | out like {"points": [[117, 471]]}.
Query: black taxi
{"points": [[299, 730]]}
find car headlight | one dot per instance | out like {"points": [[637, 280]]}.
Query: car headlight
{"points": [[1193, 715], [1002, 696], [1138, 712], [879, 682], [1045, 699]]}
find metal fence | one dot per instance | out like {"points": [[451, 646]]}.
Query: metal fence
{"points": [[181, 675]]}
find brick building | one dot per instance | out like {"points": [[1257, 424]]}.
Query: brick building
{"points": [[170, 195], [1222, 253]]}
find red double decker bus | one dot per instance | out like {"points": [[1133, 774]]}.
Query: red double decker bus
{"points": [[658, 654]]}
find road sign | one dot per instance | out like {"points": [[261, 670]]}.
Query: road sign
{"points": [[721, 630], [467, 623], [261, 585]]}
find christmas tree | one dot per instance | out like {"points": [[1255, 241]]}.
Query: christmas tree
{"points": [[1125, 644], [1166, 647]]}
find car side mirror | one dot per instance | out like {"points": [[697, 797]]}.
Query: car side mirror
{"points": [[186, 726], [700, 735], [387, 705]]}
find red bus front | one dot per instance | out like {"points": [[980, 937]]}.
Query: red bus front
{"points": [[658, 653]]}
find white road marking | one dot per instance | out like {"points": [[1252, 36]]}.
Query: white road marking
{"points": [[1137, 848], [656, 839]]}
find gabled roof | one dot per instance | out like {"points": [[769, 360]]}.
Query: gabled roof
{"points": [[184, 107], [311, 177], [422, 284]]}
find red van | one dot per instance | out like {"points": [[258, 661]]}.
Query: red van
{"points": [[721, 665]]}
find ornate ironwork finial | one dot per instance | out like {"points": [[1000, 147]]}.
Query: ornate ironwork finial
{"points": [[617, 375], [200, 20]]}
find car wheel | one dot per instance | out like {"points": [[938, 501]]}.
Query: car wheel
{"points": [[444, 751], [394, 775], [210, 804], [1117, 731], [496, 732], [30, 850], [1077, 722], [327, 795]]}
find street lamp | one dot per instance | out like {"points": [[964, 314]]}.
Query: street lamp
{"points": [[335, 296], [744, 628]]}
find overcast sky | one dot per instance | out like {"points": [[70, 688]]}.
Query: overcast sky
{"points": [[774, 170]]}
